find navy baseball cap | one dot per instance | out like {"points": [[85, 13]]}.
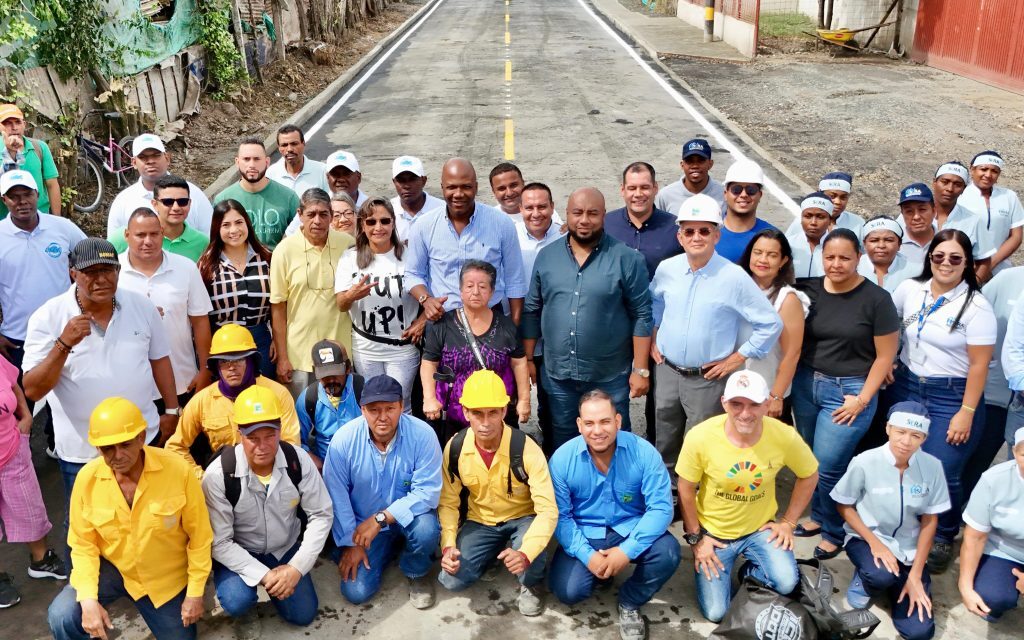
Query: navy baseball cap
{"points": [[697, 147], [382, 388], [917, 192]]}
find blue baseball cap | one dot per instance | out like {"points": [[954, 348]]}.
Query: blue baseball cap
{"points": [[917, 192], [697, 147], [382, 388]]}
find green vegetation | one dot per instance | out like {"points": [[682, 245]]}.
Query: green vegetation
{"points": [[785, 25]]}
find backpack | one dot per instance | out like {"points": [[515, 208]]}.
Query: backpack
{"points": [[233, 485], [313, 392], [516, 465]]}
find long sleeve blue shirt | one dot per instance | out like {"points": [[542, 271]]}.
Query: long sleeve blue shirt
{"points": [[326, 418], [633, 499], [656, 239], [405, 480], [706, 308]]}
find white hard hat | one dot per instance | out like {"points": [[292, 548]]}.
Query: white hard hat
{"points": [[700, 208], [746, 171]]}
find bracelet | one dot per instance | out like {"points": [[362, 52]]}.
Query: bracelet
{"points": [[774, 396], [863, 405], [788, 521], [967, 408], [62, 346]]}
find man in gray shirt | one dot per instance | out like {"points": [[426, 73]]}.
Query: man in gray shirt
{"points": [[696, 164], [254, 493]]}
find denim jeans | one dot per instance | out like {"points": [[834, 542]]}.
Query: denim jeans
{"points": [[480, 544], [402, 370], [774, 567], [65, 614], [993, 435], [996, 584], [420, 537], [879, 582], [236, 597], [565, 399], [943, 398], [815, 396], [572, 582]]}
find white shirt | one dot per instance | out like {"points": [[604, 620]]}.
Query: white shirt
{"points": [[901, 269], [807, 263], [935, 351], [116, 363], [1004, 291], [768, 366], [517, 218], [1003, 213], [530, 247], [404, 219], [313, 175], [178, 292], [388, 311], [33, 268], [996, 507], [913, 251], [199, 215]]}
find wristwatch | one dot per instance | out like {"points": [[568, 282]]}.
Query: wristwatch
{"points": [[422, 298], [176, 411], [693, 538], [381, 519], [643, 373]]}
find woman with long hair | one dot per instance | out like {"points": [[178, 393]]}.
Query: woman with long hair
{"points": [[236, 271], [949, 332]]}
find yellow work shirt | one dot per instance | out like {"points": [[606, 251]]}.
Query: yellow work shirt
{"points": [[160, 545], [489, 501], [303, 276], [210, 412]]}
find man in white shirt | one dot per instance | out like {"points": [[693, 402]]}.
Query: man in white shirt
{"points": [[1001, 223], [410, 178], [173, 284], [152, 160], [294, 170], [696, 164], [343, 175]]}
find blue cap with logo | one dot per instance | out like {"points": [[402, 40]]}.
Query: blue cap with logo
{"points": [[917, 192], [697, 147]]}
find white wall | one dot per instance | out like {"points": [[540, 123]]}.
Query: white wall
{"points": [[854, 14], [733, 32]]}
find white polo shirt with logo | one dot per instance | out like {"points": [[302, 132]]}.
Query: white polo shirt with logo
{"points": [[404, 220], [115, 362], [33, 268], [313, 175], [178, 292], [1003, 213], [200, 213]]}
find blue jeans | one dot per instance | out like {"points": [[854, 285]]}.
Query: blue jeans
{"points": [[65, 614], [480, 544], [943, 398], [775, 568], [993, 435], [571, 581], [564, 397], [236, 597], [878, 581], [815, 396], [420, 537], [996, 584]]}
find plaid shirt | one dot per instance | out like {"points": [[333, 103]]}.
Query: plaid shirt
{"points": [[241, 298]]}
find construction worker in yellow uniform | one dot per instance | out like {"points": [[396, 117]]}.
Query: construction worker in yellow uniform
{"points": [[207, 422], [139, 529]]}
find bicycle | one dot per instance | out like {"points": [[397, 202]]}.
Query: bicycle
{"points": [[95, 159]]}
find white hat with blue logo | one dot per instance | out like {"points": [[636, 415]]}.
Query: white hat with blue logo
{"points": [[17, 178], [408, 164], [342, 159]]}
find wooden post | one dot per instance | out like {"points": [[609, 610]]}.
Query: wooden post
{"points": [[236, 25], [278, 18]]}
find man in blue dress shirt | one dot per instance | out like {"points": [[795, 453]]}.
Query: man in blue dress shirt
{"points": [[614, 508], [383, 471]]}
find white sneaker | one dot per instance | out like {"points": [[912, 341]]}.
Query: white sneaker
{"points": [[530, 603]]}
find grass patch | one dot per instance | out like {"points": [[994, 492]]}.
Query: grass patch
{"points": [[785, 25]]}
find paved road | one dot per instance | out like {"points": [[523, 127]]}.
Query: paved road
{"points": [[580, 108]]}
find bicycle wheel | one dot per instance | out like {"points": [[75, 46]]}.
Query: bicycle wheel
{"points": [[123, 167], [88, 184]]}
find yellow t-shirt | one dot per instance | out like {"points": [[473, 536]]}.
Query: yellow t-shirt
{"points": [[737, 485], [265, 480]]}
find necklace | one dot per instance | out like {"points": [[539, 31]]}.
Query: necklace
{"points": [[100, 331]]}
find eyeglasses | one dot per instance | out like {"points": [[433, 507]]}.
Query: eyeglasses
{"points": [[751, 189], [170, 202], [345, 214], [690, 232], [954, 259], [318, 267], [371, 222]]}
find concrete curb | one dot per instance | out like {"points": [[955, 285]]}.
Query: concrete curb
{"points": [[318, 102], [733, 128]]}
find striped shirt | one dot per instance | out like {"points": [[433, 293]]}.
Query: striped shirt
{"points": [[241, 298]]}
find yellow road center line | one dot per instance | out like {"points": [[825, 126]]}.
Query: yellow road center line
{"points": [[508, 71], [510, 140], [506, 18], [508, 38]]}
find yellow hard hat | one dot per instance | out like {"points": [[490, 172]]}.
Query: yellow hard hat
{"points": [[232, 339], [257, 406], [484, 389], [113, 421]]}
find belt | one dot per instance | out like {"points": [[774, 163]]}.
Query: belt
{"points": [[391, 341], [686, 372]]}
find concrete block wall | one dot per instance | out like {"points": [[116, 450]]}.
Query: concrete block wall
{"points": [[741, 35]]}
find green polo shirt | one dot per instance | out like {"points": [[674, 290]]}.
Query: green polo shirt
{"points": [[190, 243], [41, 171]]}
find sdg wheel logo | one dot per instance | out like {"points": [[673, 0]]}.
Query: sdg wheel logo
{"points": [[747, 475]]}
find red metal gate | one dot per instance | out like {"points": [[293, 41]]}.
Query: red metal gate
{"points": [[981, 40]]}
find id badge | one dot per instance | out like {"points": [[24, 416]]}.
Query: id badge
{"points": [[918, 357]]}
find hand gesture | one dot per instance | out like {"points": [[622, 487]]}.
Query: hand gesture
{"points": [[348, 564], [95, 619], [75, 330], [450, 562], [515, 561], [433, 308], [721, 368], [361, 289], [705, 560]]}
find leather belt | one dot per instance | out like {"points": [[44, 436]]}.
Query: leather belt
{"points": [[686, 372]]}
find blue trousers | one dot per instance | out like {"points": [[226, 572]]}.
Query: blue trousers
{"points": [[480, 544], [943, 398], [420, 538], [564, 399], [878, 581], [571, 581], [815, 397], [236, 597], [65, 614], [996, 584]]}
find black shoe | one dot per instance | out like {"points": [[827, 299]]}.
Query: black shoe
{"points": [[800, 531], [821, 554], [9, 596], [940, 557], [50, 566]]}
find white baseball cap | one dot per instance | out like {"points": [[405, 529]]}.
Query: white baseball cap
{"points": [[147, 141], [17, 178], [700, 208], [746, 384], [342, 159], [745, 171], [407, 163]]}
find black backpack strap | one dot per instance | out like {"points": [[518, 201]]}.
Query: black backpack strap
{"points": [[294, 467], [516, 445], [454, 451], [357, 387], [232, 485], [310, 397]]}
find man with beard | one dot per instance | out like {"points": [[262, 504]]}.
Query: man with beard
{"points": [[410, 178], [744, 186], [696, 165], [271, 206], [734, 459], [590, 302], [294, 170]]}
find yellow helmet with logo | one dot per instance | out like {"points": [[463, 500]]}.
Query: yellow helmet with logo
{"points": [[232, 339], [113, 421], [484, 389], [257, 406]]}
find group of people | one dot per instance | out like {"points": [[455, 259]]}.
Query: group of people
{"points": [[298, 368]]}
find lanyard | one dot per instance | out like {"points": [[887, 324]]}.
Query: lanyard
{"points": [[922, 315]]}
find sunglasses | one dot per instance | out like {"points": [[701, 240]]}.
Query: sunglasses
{"points": [[170, 202], [371, 222], [751, 189], [954, 259], [690, 232]]}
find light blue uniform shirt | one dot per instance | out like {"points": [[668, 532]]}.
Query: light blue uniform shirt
{"points": [[634, 499], [961, 219], [326, 417], [901, 269], [889, 505], [1013, 347], [707, 308], [1004, 292], [996, 507], [405, 481], [806, 263], [995, 220], [436, 254]]}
